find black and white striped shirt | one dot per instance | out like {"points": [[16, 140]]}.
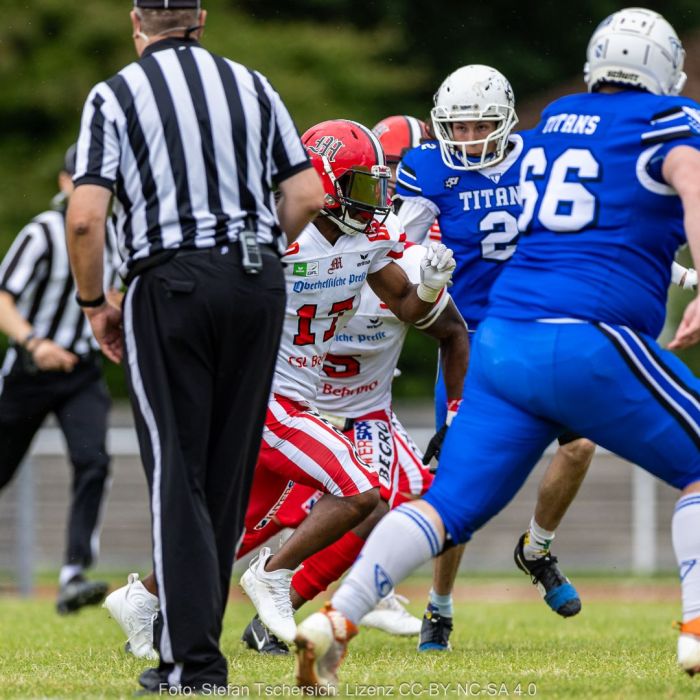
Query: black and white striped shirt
{"points": [[36, 272], [191, 144]]}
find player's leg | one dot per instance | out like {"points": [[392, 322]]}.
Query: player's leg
{"points": [[374, 437], [481, 469], [414, 480], [556, 492], [643, 403], [82, 415], [327, 565], [298, 445], [275, 504]]}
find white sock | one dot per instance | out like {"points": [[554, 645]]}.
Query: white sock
{"points": [[403, 540], [442, 604], [537, 542], [685, 530], [69, 571]]}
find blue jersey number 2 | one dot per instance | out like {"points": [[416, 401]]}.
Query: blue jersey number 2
{"points": [[567, 205]]}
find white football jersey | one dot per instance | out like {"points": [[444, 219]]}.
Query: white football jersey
{"points": [[323, 293], [360, 364]]}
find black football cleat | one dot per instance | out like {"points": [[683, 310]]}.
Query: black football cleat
{"points": [[78, 593], [555, 588], [435, 631], [258, 638]]}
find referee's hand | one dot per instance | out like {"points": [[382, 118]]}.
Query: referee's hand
{"points": [[106, 322], [50, 357]]}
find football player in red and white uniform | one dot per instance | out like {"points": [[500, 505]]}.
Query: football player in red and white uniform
{"points": [[356, 239], [355, 397]]}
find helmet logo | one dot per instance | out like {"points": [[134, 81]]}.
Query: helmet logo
{"points": [[327, 146]]}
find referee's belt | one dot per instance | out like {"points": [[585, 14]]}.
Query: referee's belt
{"points": [[162, 256], [343, 424]]}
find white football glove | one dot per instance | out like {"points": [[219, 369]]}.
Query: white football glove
{"points": [[685, 278], [436, 270], [691, 279]]}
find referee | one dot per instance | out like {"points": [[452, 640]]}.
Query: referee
{"points": [[53, 366], [190, 145]]}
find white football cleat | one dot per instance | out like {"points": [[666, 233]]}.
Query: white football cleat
{"points": [[322, 642], [390, 616], [689, 646], [269, 593], [135, 609]]}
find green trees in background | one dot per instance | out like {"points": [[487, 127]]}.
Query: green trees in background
{"points": [[327, 58]]}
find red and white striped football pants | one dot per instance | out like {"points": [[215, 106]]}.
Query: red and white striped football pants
{"points": [[299, 447]]}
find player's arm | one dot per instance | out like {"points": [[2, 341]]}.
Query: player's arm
{"points": [[450, 330], [415, 210], [410, 302], [417, 215], [681, 170]]}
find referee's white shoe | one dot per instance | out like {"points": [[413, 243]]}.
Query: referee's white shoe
{"points": [[135, 609], [390, 616], [269, 593]]}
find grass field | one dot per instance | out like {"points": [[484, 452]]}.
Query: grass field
{"points": [[620, 646]]}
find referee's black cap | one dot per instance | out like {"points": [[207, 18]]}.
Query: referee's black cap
{"points": [[69, 159], [167, 4]]}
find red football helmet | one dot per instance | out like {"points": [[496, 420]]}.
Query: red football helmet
{"points": [[399, 134], [351, 163]]}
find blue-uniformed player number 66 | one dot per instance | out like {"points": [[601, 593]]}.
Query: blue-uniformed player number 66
{"points": [[567, 205]]}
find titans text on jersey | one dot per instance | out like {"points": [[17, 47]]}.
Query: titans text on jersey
{"points": [[477, 212]]}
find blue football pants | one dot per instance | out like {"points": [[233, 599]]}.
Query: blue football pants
{"points": [[528, 381]]}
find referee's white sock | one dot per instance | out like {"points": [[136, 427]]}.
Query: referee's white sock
{"points": [[403, 540], [685, 528]]}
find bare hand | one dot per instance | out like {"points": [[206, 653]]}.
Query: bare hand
{"points": [[114, 297], [106, 322], [50, 357], [688, 332]]}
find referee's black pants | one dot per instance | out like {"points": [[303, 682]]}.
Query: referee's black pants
{"points": [[201, 344], [80, 401]]}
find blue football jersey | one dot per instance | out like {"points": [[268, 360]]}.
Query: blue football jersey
{"points": [[477, 212], [599, 226]]}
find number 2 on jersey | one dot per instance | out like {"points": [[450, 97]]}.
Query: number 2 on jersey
{"points": [[307, 313], [567, 205]]}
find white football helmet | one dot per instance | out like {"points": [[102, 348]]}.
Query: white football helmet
{"points": [[635, 47], [473, 93]]}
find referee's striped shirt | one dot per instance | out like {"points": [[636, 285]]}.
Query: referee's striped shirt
{"points": [[191, 144], [36, 272]]}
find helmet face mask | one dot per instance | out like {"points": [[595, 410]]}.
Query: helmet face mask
{"points": [[635, 48], [353, 170], [362, 196], [474, 94]]}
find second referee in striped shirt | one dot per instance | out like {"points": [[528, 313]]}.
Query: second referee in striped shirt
{"points": [[190, 144]]}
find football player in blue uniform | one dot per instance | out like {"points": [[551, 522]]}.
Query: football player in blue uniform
{"points": [[468, 178], [610, 186]]}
